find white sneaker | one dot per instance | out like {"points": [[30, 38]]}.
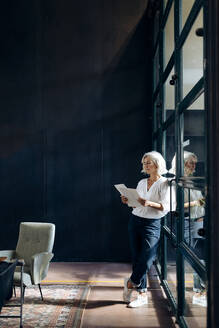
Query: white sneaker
{"points": [[127, 292], [139, 301], [199, 299]]}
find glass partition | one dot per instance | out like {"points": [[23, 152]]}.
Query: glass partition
{"points": [[156, 26], [170, 144], [198, 104], [169, 36], [186, 8], [195, 298], [193, 56], [165, 3], [183, 132], [171, 268], [194, 215], [194, 138], [156, 72], [169, 93]]}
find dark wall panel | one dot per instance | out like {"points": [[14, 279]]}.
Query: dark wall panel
{"points": [[82, 126], [21, 133]]}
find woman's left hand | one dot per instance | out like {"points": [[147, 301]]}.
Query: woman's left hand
{"points": [[143, 201]]}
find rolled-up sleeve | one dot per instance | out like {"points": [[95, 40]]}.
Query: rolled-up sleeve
{"points": [[167, 196]]}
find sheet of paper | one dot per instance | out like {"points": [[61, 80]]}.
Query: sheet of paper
{"points": [[129, 193], [120, 188]]}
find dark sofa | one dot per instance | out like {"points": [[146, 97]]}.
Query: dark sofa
{"points": [[6, 281]]}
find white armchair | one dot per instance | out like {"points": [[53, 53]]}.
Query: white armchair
{"points": [[34, 246]]}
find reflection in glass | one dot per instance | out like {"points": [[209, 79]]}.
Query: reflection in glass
{"points": [[156, 26], [194, 137], [170, 142], [169, 36], [170, 151], [156, 68], [193, 57], [171, 268], [196, 301], [158, 108], [169, 93], [165, 3], [194, 212], [194, 205]]}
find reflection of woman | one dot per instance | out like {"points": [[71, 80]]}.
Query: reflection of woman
{"points": [[193, 201], [144, 225], [194, 212]]}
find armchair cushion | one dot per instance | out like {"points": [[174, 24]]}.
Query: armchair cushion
{"points": [[26, 278]]}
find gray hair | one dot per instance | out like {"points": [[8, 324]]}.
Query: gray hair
{"points": [[158, 160], [186, 155]]}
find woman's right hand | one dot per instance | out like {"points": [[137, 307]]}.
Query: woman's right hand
{"points": [[124, 200]]}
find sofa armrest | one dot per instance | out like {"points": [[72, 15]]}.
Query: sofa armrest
{"points": [[40, 266], [10, 254]]}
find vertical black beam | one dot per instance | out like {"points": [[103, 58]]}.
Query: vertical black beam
{"points": [[213, 158], [179, 130], [163, 138]]}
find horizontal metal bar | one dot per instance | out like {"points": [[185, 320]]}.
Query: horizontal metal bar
{"points": [[192, 178], [10, 316], [198, 183], [12, 305], [191, 186]]}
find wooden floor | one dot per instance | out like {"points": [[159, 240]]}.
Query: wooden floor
{"points": [[104, 306]]}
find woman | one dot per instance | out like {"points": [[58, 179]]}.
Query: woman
{"points": [[144, 225]]}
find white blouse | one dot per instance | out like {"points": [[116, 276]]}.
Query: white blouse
{"points": [[195, 211], [159, 192]]}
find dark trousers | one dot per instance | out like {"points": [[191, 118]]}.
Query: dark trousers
{"points": [[144, 235]]}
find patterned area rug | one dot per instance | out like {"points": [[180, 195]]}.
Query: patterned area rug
{"points": [[63, 306]]}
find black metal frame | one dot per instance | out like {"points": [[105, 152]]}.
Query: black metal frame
{"points": [[183, 251], [212, 103]]}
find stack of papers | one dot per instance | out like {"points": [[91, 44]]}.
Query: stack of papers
{"points": [[129, 193]]}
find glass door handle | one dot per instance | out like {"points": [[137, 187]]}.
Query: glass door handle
{"points": [[173, 79]]}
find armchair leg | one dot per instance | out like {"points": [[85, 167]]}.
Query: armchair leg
{"points": [[14, 289], [23, 292], [40, 292]]}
